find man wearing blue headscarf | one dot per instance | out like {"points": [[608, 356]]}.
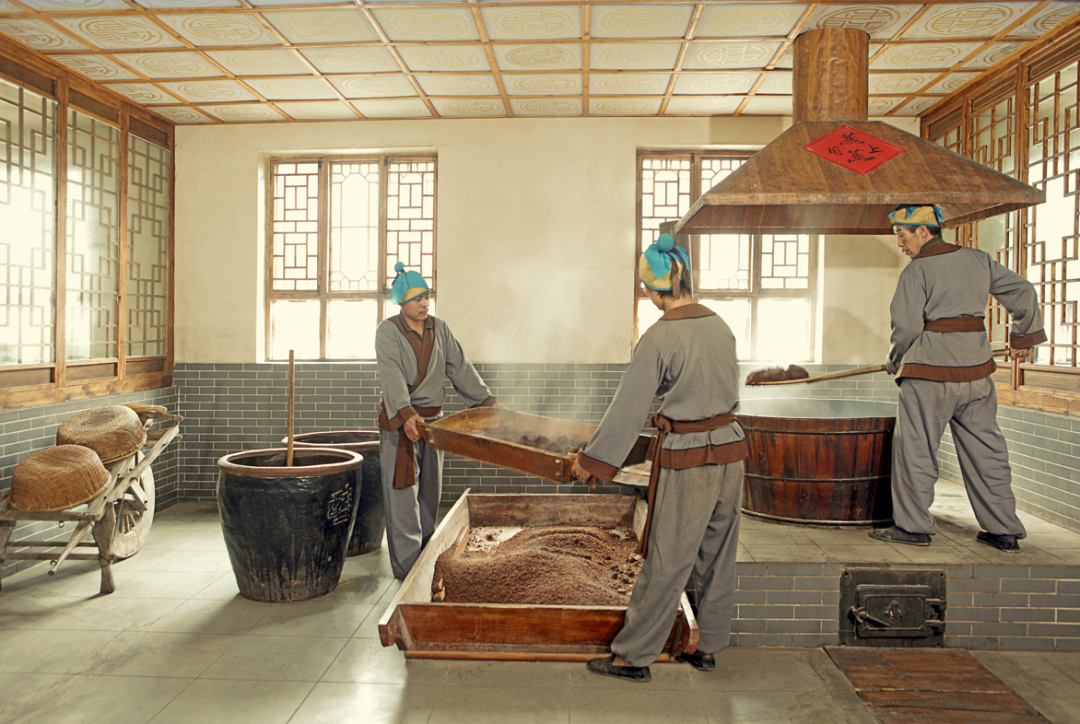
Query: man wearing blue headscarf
{"points": [[415, 352], [687, 359], [942, 360]]}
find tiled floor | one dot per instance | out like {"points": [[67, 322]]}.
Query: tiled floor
{"points": [[176, 644]]}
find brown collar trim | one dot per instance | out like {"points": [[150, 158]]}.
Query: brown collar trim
{"points": [[421, 346], [689, 311], [942, 248]]}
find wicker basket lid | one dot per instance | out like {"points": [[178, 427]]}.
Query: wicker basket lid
{"points": [[142, 409], [57, 478], [112, 431]]}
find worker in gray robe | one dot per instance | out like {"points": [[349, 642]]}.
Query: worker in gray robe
{"points": [[942, 359], [687, 359], [415, 353]]}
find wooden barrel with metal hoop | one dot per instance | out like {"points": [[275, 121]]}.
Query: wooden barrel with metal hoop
{"points": [[818, 461], [112, 431]]}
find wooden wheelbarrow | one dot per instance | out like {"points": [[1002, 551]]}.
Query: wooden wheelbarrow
{"points": [[118, 517]]}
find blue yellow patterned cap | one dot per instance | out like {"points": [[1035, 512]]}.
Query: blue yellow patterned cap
{"points": [[662, 263], [914, 215], [407, 286]]}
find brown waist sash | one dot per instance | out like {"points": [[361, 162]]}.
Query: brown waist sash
{"points": [[955, 324], [684, 459], [405, 463]]}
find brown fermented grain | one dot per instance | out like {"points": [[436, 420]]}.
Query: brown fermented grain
{"points": [[555, 565]]}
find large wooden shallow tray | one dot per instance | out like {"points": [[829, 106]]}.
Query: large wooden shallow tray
{"points": [[424, 629], [491, 434]]}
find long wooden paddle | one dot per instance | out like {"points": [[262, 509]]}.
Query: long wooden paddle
{"points": [[844, 373]]}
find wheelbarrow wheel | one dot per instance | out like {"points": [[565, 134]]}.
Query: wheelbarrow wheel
{"points": [[134, 514]]}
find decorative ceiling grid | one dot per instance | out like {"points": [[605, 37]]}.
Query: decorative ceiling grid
{"points": [[229, 61]]}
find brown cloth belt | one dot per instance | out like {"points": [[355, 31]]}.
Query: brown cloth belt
{"points": [[684, 459], [955, 324], [405, 463]]}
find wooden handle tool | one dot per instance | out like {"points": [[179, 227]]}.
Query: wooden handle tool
{"points": [[289, 435], [844, 373]]}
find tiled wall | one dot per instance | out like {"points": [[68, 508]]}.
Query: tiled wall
{"points": [[1044, 453], [228, 408], [26, 431], [1017, 608]]}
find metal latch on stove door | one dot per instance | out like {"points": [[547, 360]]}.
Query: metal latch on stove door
{"points": [[892, 608]]}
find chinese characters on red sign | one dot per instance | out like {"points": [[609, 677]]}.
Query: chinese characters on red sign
{"points": [[853, 149]]}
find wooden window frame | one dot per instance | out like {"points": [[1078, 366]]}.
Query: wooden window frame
{"points": [[1043, 387], [61, 380], [692, 242], [322, 294]]}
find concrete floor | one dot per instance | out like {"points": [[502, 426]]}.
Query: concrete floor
{"points": [[176, 644]]}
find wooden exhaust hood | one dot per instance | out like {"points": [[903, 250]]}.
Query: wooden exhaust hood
{"points": [[835, 172]]}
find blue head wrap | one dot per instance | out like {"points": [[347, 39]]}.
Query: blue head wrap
{"points": [[662, 263], [407, 286]]}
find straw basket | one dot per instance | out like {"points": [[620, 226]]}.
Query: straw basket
{"points": [[112, 431], [57, 478]]}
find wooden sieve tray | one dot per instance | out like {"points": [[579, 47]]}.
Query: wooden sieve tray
{"points": [[491, 434]]}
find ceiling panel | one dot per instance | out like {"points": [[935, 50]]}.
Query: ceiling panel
{"points": [[264, 61]]}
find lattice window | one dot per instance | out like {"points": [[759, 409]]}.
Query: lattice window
{"points": [[665, 194], [337, 226], [28, 220], [1050, 254], [85, 303], [93, 238], [762, 285], [993, 144], [354, 227], [294, 232], [147, 248], [410, 218]]}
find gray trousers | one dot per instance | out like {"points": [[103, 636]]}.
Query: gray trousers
{"points": [[970, 411], [695, 528], [410, 512]]}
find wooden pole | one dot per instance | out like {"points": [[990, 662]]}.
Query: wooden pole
{"points": [[289, 447]]}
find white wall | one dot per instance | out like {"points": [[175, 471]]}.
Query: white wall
{"points": [[536, 240]]}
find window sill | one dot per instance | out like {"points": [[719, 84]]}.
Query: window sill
{"points": [[1058, 402]]}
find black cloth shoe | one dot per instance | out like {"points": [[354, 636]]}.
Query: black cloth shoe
{"points": [[1007, 543], [607, 667], [700, 661], [899, 535]]}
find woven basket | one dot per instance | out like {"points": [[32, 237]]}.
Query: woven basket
{"points": [[140, 409], [57, 478], [112, 431]]}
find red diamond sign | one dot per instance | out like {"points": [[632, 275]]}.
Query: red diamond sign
{"points": [[853, 149]]}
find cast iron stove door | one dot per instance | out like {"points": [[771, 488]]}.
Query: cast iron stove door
{"points": [[892, 608]]}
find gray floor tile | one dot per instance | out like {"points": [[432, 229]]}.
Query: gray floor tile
{"points": [[530, 674], [366, 661], [235, 702], [93, 699], [633, 703], [770, 707], [333, 703], [276, 658], [759, 669], [498, 705]]}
